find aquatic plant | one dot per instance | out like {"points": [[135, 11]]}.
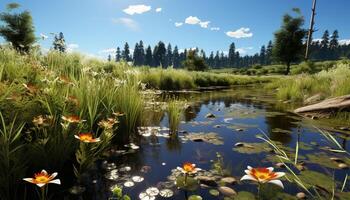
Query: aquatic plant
{"points": [[41, 180], [118, 194], [174, 110], [87, 138]]}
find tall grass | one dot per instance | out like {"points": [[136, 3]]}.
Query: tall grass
{"points": [[327, 83], [174, 110]]}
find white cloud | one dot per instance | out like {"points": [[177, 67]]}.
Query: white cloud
{"points": [[130, 23], [215, 29], [158, 9], [240, 33], [317, 40], [72, 47], [137, 9], [178, 24], [43, 36], [344, 42], [107, 51], [192, 20], [204, 24]]}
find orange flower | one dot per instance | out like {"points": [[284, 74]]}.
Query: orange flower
{"points": [[87, 138], [65, 80], [73, 100], [108, 124], [72, 119], [188, 168], [43, 178], [263, 175]]}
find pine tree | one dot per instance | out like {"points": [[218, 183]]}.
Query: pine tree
{"points": [[118, 55], [194, 62], [333, 44], [268, 58], [217, 60], [159, 54], [59, 43], [109, 58], [18, 28], [149, 56], [176, 57], [262, 55], [237, 59], [142, 53], [231, 55], [169, 56], [136, 55], [126, 53], [325, 40], [211, 60]]}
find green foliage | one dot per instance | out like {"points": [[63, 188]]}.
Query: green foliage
{"points": [[118, 194], [194, 62], [18, 28], [13, 163], [288, 43]]}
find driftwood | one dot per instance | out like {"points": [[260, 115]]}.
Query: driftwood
{"points": [[327, 106]]}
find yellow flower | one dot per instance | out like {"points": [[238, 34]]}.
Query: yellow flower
{"points": [[43, 178], [108, 124], [87, 138], [263, 175]]}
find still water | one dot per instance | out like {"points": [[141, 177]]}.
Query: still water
{"points": [[237, 116]]}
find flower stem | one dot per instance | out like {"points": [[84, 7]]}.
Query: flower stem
{"points": [[259, 188], [42, 193]]}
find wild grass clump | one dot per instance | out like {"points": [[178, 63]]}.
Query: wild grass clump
{"points": [[328, 83], [174, 110]]}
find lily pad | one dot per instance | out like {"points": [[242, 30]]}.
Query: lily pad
{"points": [[190, 184], [195, 197], [214, 192], [166, 193], [212, 138], [324, 160], [252, 148], [313, 178], [278, 130]]}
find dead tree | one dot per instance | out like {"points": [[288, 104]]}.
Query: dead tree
{"points": [[311, 29]]}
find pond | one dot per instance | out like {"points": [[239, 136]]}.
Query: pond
{"points": [[220, 132]]}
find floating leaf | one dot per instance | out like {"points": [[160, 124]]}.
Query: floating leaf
{"points": [[195, 197], [214, 192], [245, 196], [129, 184], [152, 191], [191, 184], [137, 179], [145, 196], [252, 148]]}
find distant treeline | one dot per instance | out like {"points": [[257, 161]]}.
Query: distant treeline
{"points": [[328, 48]]}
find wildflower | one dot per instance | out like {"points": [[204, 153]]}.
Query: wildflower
{"points": [[188, 168], [87, 138], [72, 119], [263, 175], [43, 178], [39, 120], [108, 123], [66, 80]]}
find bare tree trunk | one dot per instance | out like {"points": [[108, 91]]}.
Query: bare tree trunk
{"points": [[311, 30], [288, 68]]}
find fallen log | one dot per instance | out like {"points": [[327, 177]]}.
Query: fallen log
{"points": [[327, 106]]}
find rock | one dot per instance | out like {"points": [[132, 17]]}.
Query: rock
{"points": [[336, 160], [206, 180], [344, 128], [313, 99], [239, 129], [239, 144], [280, 165], [217, 126], [227, 191], [343, 166], [228, 180], [198, 140], [301, 195], [210, 115]]}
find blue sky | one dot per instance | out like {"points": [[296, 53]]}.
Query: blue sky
{"points": [[97, 27]]}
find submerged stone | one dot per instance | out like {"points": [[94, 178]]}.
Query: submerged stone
{"points": [[227, 191]]}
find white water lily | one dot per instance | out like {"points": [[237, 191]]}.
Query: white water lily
{"points": [[152, 191], [137, 179], [129, 184], [263, 175]]}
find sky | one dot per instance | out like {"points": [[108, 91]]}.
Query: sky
{"points": [[97, 27]]}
